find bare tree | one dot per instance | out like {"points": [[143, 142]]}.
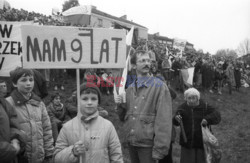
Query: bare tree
{"points": [[226, 54], [244, 47]]}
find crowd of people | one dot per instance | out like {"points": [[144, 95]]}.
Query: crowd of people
{"points": [[13, 14], [49, 133], [61, 132]]}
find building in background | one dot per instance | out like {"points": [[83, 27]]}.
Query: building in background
{"points": [[169, 42], [102, 19], [161, 39], [90, 16]]}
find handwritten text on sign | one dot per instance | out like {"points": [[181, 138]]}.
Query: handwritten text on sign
{"points": [[72, 47], [10, 46]]}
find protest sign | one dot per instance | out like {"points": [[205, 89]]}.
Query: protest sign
{"points": [[10, 46], [179, 44], [73, 47]]}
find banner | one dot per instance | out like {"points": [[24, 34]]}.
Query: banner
{"points": [[10, 46], [86, 10], [46, 47], [187, 75], [179, 44], [78, 15]]}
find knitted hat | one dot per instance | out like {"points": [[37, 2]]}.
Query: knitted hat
{"points": [[86, 85]]}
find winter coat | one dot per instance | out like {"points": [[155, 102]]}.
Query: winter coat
{"points": [[191, 118], [40, 88], [99, 137], [147, 116], [176, 66], [230, 75], [208, 75], [219, 74], [237, 76], [57, 114], [71, 106], [9, 130], [34, 120]]}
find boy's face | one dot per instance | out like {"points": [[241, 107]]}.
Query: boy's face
{"points": [[57, 100], [89, 103], [25, 84], [3, 89]]}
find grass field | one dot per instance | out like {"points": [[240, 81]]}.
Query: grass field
{"points": [[233, 132]]}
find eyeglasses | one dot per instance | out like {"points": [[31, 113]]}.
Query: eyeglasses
{"points": [[144, 61]]}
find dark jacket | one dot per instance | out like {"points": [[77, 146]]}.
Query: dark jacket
{"points": [[57, 114], [71, 106], [176, 66], [40, 87], [191, 118], [9, 130]]}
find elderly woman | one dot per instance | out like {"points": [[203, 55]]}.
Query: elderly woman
{"points": [[194, 112]]}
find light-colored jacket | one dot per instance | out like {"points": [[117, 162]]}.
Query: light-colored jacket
{"points": [[99, 137], [34, 120], [147, 116]]}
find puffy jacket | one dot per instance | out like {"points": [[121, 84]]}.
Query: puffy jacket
{"points": [[147, 116], [60, 115], [100, 139], [191, 118], [34, 120]]}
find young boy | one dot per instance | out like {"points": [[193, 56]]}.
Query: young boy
{"points": [[32, 116], [57, 113], [3, 89], [88, 135]]}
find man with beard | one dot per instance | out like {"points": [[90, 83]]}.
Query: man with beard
{"points": [[146, 112]]}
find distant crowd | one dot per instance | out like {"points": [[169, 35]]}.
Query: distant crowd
{"points": [[166, 61]]}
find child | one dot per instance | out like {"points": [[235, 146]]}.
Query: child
{"points": [[3, 89], [57, 113], [88, 135], [71, 107], [32, 116]]}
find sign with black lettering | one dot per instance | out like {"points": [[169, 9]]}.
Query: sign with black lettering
{"points": [[73, 47], [10, 46]]}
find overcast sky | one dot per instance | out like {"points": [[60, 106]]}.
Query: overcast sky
{"points": [[208, 24]]}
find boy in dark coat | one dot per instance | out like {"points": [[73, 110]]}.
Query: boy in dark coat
{"points": [[12, 140]]}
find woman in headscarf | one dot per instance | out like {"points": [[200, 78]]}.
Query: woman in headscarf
{"points": [[193, 113]]}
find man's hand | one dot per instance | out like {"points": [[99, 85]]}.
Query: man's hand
{"points": [[15, 143], [120, 98]]}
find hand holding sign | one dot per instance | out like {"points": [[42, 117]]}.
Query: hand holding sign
{"points": [[120, 98]]}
